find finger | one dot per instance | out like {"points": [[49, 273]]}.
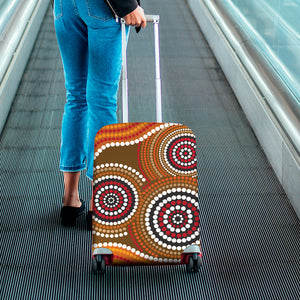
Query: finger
{"points": [[138, 22], [131, 20], [126, 20], [143, 23], [143, 18]]}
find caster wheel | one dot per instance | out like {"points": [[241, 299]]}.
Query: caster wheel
{"points": [[194, 263], [197, 264], [98, 264], [94, 266], [190, 265], [102, 265]]}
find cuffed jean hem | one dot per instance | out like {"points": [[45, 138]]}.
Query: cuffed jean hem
{"points": [[73, 169]]}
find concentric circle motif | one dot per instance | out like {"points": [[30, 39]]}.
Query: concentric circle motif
{"points": [[180, 153], [116, 200], [171, 151], [172, 219]]}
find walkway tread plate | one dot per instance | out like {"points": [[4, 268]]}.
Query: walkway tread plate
{"points": [[250, 233]]}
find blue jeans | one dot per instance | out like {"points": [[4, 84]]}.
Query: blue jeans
{"points": [[90, 43]]}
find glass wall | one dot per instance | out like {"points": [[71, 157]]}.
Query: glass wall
{"points": [[273, 26]]}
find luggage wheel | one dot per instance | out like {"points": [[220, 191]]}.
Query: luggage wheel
{"points": [[194, 263], [98, 264], [192, 258], [101, 258]]}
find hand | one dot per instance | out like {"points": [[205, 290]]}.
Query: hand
{"points": [[136, 18]]}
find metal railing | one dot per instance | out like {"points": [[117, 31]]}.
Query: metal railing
{"points": [[15, 18]]}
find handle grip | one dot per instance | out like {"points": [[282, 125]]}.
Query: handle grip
{"points": [[152, 18]]}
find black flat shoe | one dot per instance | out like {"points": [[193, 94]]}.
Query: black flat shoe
{"points": [[89, 220], [69, 214]]}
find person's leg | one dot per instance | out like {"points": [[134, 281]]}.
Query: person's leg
{"points": [[73, 207], [105, 63], [71, 196], [71, 35]]}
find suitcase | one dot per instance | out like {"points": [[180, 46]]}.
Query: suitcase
{"points": [[145, 193]]}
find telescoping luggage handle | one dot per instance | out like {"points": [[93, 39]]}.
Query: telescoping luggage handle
{"points": [[155, 20]]}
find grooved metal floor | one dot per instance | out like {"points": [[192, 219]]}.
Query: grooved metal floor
{"points": [[250, 233]]}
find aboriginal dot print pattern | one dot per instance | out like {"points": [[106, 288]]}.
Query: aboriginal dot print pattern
{"points": [[145, 193]]}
